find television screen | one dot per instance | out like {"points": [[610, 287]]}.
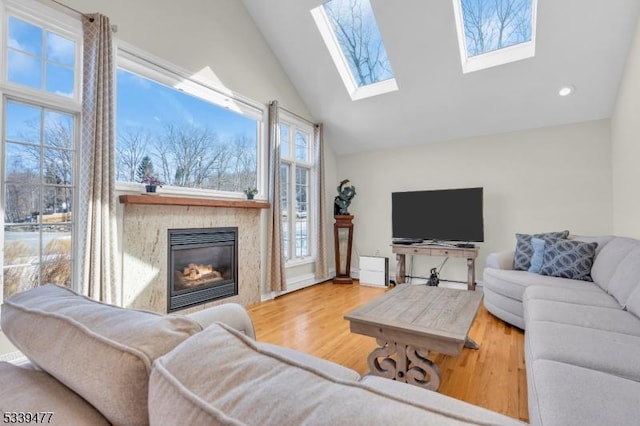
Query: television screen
{"points": [[443, 215]]}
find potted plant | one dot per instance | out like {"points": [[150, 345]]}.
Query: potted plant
{"points": [[250, 192], [151, 182]]}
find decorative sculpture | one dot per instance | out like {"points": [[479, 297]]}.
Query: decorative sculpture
{"points": [[346, 192]]}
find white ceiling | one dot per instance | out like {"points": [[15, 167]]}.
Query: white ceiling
{"points": [[584, 43]]}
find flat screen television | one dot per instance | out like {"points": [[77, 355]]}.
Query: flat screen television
{"points": [[439, 215]]}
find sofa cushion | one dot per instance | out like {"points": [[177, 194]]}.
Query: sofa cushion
{"points": [[568, 259], [512, 283], [27, 390], [571, 295], [524, 249], [566, 395], [596, 317], [432, 399], [330, 368], [605, 351], [221, 377], [607, 261], [626, 277], [102, 352], [633, 302]]}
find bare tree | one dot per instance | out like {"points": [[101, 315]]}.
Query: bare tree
{"points": [[133, 145], [357, 34], [494, 24]]}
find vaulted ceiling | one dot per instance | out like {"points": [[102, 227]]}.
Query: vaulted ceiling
{"points": [[584, 43]]}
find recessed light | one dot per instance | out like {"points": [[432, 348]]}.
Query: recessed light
{"points": [[566, 90]]}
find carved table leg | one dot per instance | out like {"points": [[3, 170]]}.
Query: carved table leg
{"points": [[410, 366], [386, 367], [470, 343], [400, 268]]}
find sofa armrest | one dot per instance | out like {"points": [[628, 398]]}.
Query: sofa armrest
{"points": [[231, 314], [501, 260]]}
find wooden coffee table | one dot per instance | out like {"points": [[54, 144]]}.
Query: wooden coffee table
{"points": [[411, 320]]}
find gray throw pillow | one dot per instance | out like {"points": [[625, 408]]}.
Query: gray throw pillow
{"points": [[524, 248], [568, 259]]}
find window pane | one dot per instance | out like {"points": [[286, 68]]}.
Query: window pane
{"points": [[302, 216], [302, 147], [22, 164], [356, 30], [58, 165], [21, 244], [284, 141], [25, 69], [60, 80], [189, 142], [492, 25], [19, 278], [24, 36], [23, 123], [60, 49], [58, 129], [21, 203], [57, 204], [284, 187]]}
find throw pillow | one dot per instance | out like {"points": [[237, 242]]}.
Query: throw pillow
{"points": [[569, 259], [538, 255], [524, 249]]}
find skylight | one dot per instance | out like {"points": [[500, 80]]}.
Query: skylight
{"points": [[351, 33], [494, 32]]}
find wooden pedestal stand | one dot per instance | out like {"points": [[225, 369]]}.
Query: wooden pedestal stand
{"points": [[343, 268]]}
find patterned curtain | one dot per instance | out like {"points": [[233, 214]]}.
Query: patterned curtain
{"points": [[275, 259], [96, 223], [321, 270]]}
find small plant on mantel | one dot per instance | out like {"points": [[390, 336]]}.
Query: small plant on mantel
{"points": [[151, 182], [250, 192]]}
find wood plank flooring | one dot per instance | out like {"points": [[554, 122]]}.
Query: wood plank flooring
{"points": [[311, 321]]}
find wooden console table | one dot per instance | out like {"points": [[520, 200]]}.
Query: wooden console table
{"points": [[401, 250]]}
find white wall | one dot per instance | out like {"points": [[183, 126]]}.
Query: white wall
{"points": [[625, 138], [538, 180]]}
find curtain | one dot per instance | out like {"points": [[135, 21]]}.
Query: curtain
{"points": [[96, 222], [275, 263], [321, 269]]}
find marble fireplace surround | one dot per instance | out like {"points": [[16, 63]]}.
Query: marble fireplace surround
{"points": [[146, 221]]}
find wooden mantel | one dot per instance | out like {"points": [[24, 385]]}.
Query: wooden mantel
{"points": [[161, 200]]}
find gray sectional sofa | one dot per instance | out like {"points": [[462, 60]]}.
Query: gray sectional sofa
{"points": [[582, 339], [92, 364]]}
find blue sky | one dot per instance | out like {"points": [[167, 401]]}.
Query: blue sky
{"points": [[142, 103]]}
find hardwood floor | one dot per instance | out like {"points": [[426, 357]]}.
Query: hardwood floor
{"points": [[311, 321]]}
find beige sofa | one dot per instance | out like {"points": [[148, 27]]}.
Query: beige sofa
{"points": [[91, 363], [582, 339]]}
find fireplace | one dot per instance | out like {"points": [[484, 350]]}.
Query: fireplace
{"points": [[203, 266]]}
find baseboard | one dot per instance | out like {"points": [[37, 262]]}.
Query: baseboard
{"points": [[296, 283]]}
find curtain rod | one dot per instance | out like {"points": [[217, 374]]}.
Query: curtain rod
{"points": [[114, 28], [298, 116], [70, 8]]}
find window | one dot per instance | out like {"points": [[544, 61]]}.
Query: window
{"points": [[350, 31], [494, 32], [40, 110], [297, 188], [168, 128]]}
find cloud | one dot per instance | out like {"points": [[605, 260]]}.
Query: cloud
{"points": [[60, 49]]}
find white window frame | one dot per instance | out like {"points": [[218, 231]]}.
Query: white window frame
{"points": [[498, 57], [331, 41], [296, 124], [51, 20], [154, 68]]}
